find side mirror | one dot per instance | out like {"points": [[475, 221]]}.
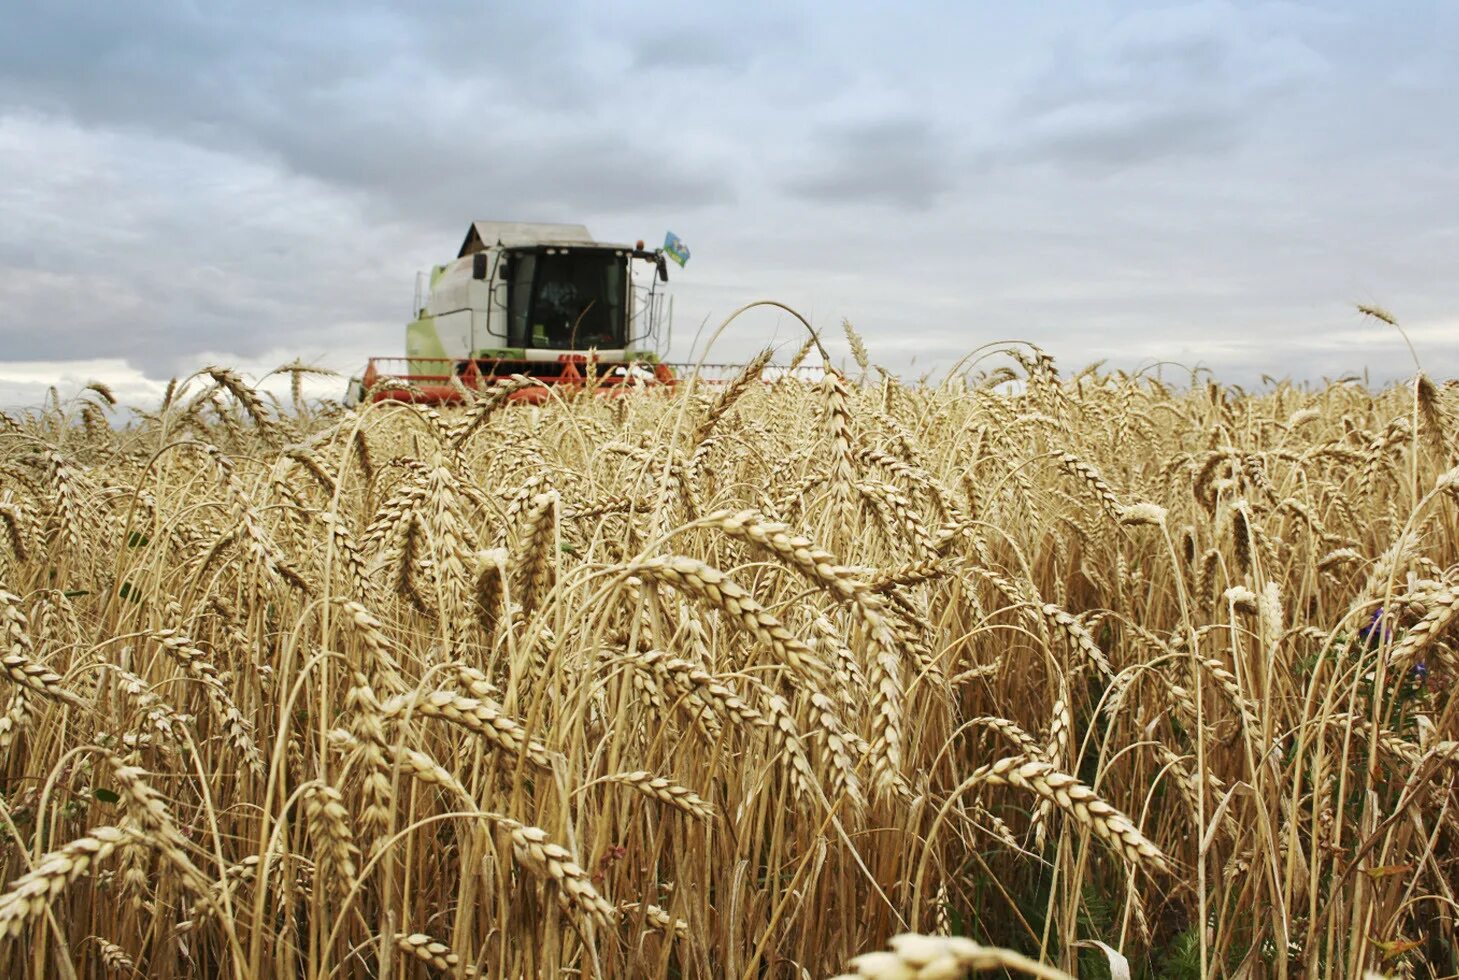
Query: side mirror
{"points": [[663, 265], [478, 266]]}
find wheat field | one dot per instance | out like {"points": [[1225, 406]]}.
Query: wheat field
{"points": [[1035, 673]]}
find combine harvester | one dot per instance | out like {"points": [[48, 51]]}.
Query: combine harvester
{"points": [[541, 300]]}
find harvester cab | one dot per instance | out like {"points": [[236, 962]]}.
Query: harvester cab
{"points": [[542, 300]]}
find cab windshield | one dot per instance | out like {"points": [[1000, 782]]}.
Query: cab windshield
{"points": [[569, 299]]}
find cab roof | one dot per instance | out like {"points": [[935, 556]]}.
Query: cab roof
{"points": [[515, 234]]}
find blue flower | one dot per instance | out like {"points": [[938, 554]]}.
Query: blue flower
{"points": [[1376, 629]]}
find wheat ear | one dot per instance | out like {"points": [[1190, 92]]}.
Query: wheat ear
{"points": [[436, 955], [672, 794], [917, 957], [1080, 802], [329, 825], [28, 895], [19, 662], [477, 716], [706, 582]]}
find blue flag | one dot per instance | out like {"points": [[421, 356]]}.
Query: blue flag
{"points": [[675, 248]]}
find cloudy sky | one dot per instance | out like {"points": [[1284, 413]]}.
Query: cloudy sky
{"points": [[1209, 183]]}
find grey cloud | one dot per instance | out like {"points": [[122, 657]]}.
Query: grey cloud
{"points": [[148, 249], [1193, 80], [1103, 137], [691, 48], [899, 162], [437, 172], [688, 42], [417, 111]]}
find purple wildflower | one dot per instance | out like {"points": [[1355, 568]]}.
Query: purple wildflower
{"points": [[1376, 630]]}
